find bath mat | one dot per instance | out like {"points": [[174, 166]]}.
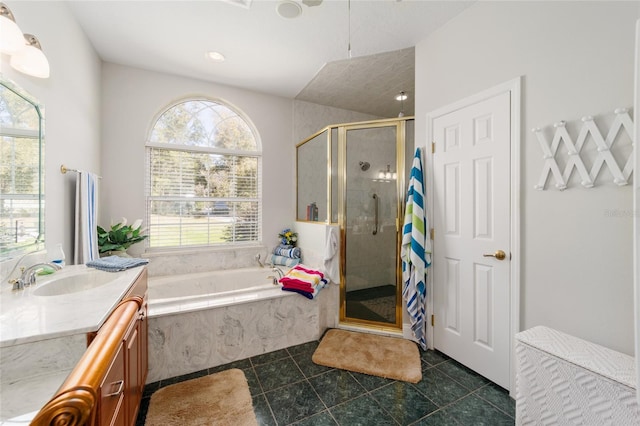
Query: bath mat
{"points": [[388, 357], [218, 399]]}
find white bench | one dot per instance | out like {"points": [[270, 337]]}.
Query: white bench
{"points": [[564, 380]]}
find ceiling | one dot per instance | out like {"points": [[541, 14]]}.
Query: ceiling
{"points": [[305, 57]]}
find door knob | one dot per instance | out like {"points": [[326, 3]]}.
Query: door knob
{"points": [[500, 255]]}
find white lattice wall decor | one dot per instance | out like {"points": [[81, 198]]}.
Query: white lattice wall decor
{"points": [[621, 123]]}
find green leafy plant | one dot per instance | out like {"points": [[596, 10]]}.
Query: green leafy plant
{"points": [[120, 237]]}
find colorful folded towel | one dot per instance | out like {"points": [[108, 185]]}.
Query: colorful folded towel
{"points": [[299, 276], [116, 263], [308, 270], [303, 280], [287, 251], [283, 261], [306, 292]]}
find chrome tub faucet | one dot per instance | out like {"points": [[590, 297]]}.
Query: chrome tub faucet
{"points": [[279, 274], [277, 270]]}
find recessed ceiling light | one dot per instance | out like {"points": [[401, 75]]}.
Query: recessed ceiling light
{"points": [[215, 56], [288, 9]]}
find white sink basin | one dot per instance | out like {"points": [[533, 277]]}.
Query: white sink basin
{"points": [[67, 284]]}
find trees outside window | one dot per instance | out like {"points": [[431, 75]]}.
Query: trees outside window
{"points": [[203, 185]]}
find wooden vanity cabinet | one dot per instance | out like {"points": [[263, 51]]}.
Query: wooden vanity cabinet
{"points": [[105, 388], [135, 346]]}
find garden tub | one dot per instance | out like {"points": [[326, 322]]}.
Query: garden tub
{"points": [[204, 290], [202, 320]]}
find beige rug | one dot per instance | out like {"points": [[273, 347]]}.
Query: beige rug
{"points": [[388, 357], [219, 399]]}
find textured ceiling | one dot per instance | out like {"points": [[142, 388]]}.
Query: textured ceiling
{"points": [[264, 51], [367, 84]]}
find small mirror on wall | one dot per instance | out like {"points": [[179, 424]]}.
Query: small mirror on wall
{"points": [[21, 172], [311, 178]]}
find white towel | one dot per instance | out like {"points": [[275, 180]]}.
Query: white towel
{"points": [[331, 256], [86, 232]]}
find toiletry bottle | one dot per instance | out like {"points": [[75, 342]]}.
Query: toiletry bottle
{"points": [[58, 256]]}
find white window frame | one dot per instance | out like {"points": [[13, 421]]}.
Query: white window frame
{"points": [[207, 150]]}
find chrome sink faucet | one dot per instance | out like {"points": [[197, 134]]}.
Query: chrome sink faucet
{"points": [[28, 275]]}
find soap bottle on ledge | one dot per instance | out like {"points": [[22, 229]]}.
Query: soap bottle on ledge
{"points": [[57, 256]]}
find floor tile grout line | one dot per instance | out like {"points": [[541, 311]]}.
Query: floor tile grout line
{"points": [[423, 394], [434, 412], [491, 403], [370, 393], [462, 384], [273, 415], [259, 382]]}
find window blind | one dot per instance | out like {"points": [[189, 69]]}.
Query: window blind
{"points": [[202, 198]]}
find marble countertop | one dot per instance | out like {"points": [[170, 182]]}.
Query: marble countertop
{"points": [[26, 316], [43, 335]]}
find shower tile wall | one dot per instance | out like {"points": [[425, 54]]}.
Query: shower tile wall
{"points": [[368, 265]]}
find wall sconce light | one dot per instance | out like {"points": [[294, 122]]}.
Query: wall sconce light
{"points": [[402, 96], [11, 39], [31, 60], [24, 49], [387, 174]]}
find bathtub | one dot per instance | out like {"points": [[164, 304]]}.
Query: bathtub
{"points": [[206, 290], [202, 320]]}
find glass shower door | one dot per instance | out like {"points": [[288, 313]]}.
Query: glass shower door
{"points": [[371, 207]]}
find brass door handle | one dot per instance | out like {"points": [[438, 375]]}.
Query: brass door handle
{"points": [[500, 255]]}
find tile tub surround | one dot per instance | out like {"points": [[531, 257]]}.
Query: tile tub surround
{"points": [[187, 342], [288, 388], [203, 260]]}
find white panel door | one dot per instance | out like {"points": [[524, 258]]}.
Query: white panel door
{"points": [[471, 296]]}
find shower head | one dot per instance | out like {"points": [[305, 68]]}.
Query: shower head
{"points": [[364, 166]]}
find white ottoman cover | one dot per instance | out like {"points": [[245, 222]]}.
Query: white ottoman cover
{"points": [[564, 380]]}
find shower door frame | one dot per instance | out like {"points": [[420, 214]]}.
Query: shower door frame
{"points": [[400, 125]]}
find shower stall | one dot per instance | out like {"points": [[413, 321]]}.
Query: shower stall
{"points": [[362, 189]]}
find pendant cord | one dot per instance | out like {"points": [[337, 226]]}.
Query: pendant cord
{"points": [[349, 47]]}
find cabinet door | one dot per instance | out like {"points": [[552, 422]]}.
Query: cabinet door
{"points": [[112, 410], [132, 388]]}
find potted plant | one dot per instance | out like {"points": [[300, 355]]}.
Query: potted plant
{"points": [[119, 238], [288, 238]]}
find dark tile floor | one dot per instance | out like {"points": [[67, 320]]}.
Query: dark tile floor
{"points": [[288, 388]]}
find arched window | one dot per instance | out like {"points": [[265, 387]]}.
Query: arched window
{"points": [[203, 177]]}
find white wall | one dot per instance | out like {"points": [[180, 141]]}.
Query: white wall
{"points": [[132, 99], [577, 60], [71, 99]]}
